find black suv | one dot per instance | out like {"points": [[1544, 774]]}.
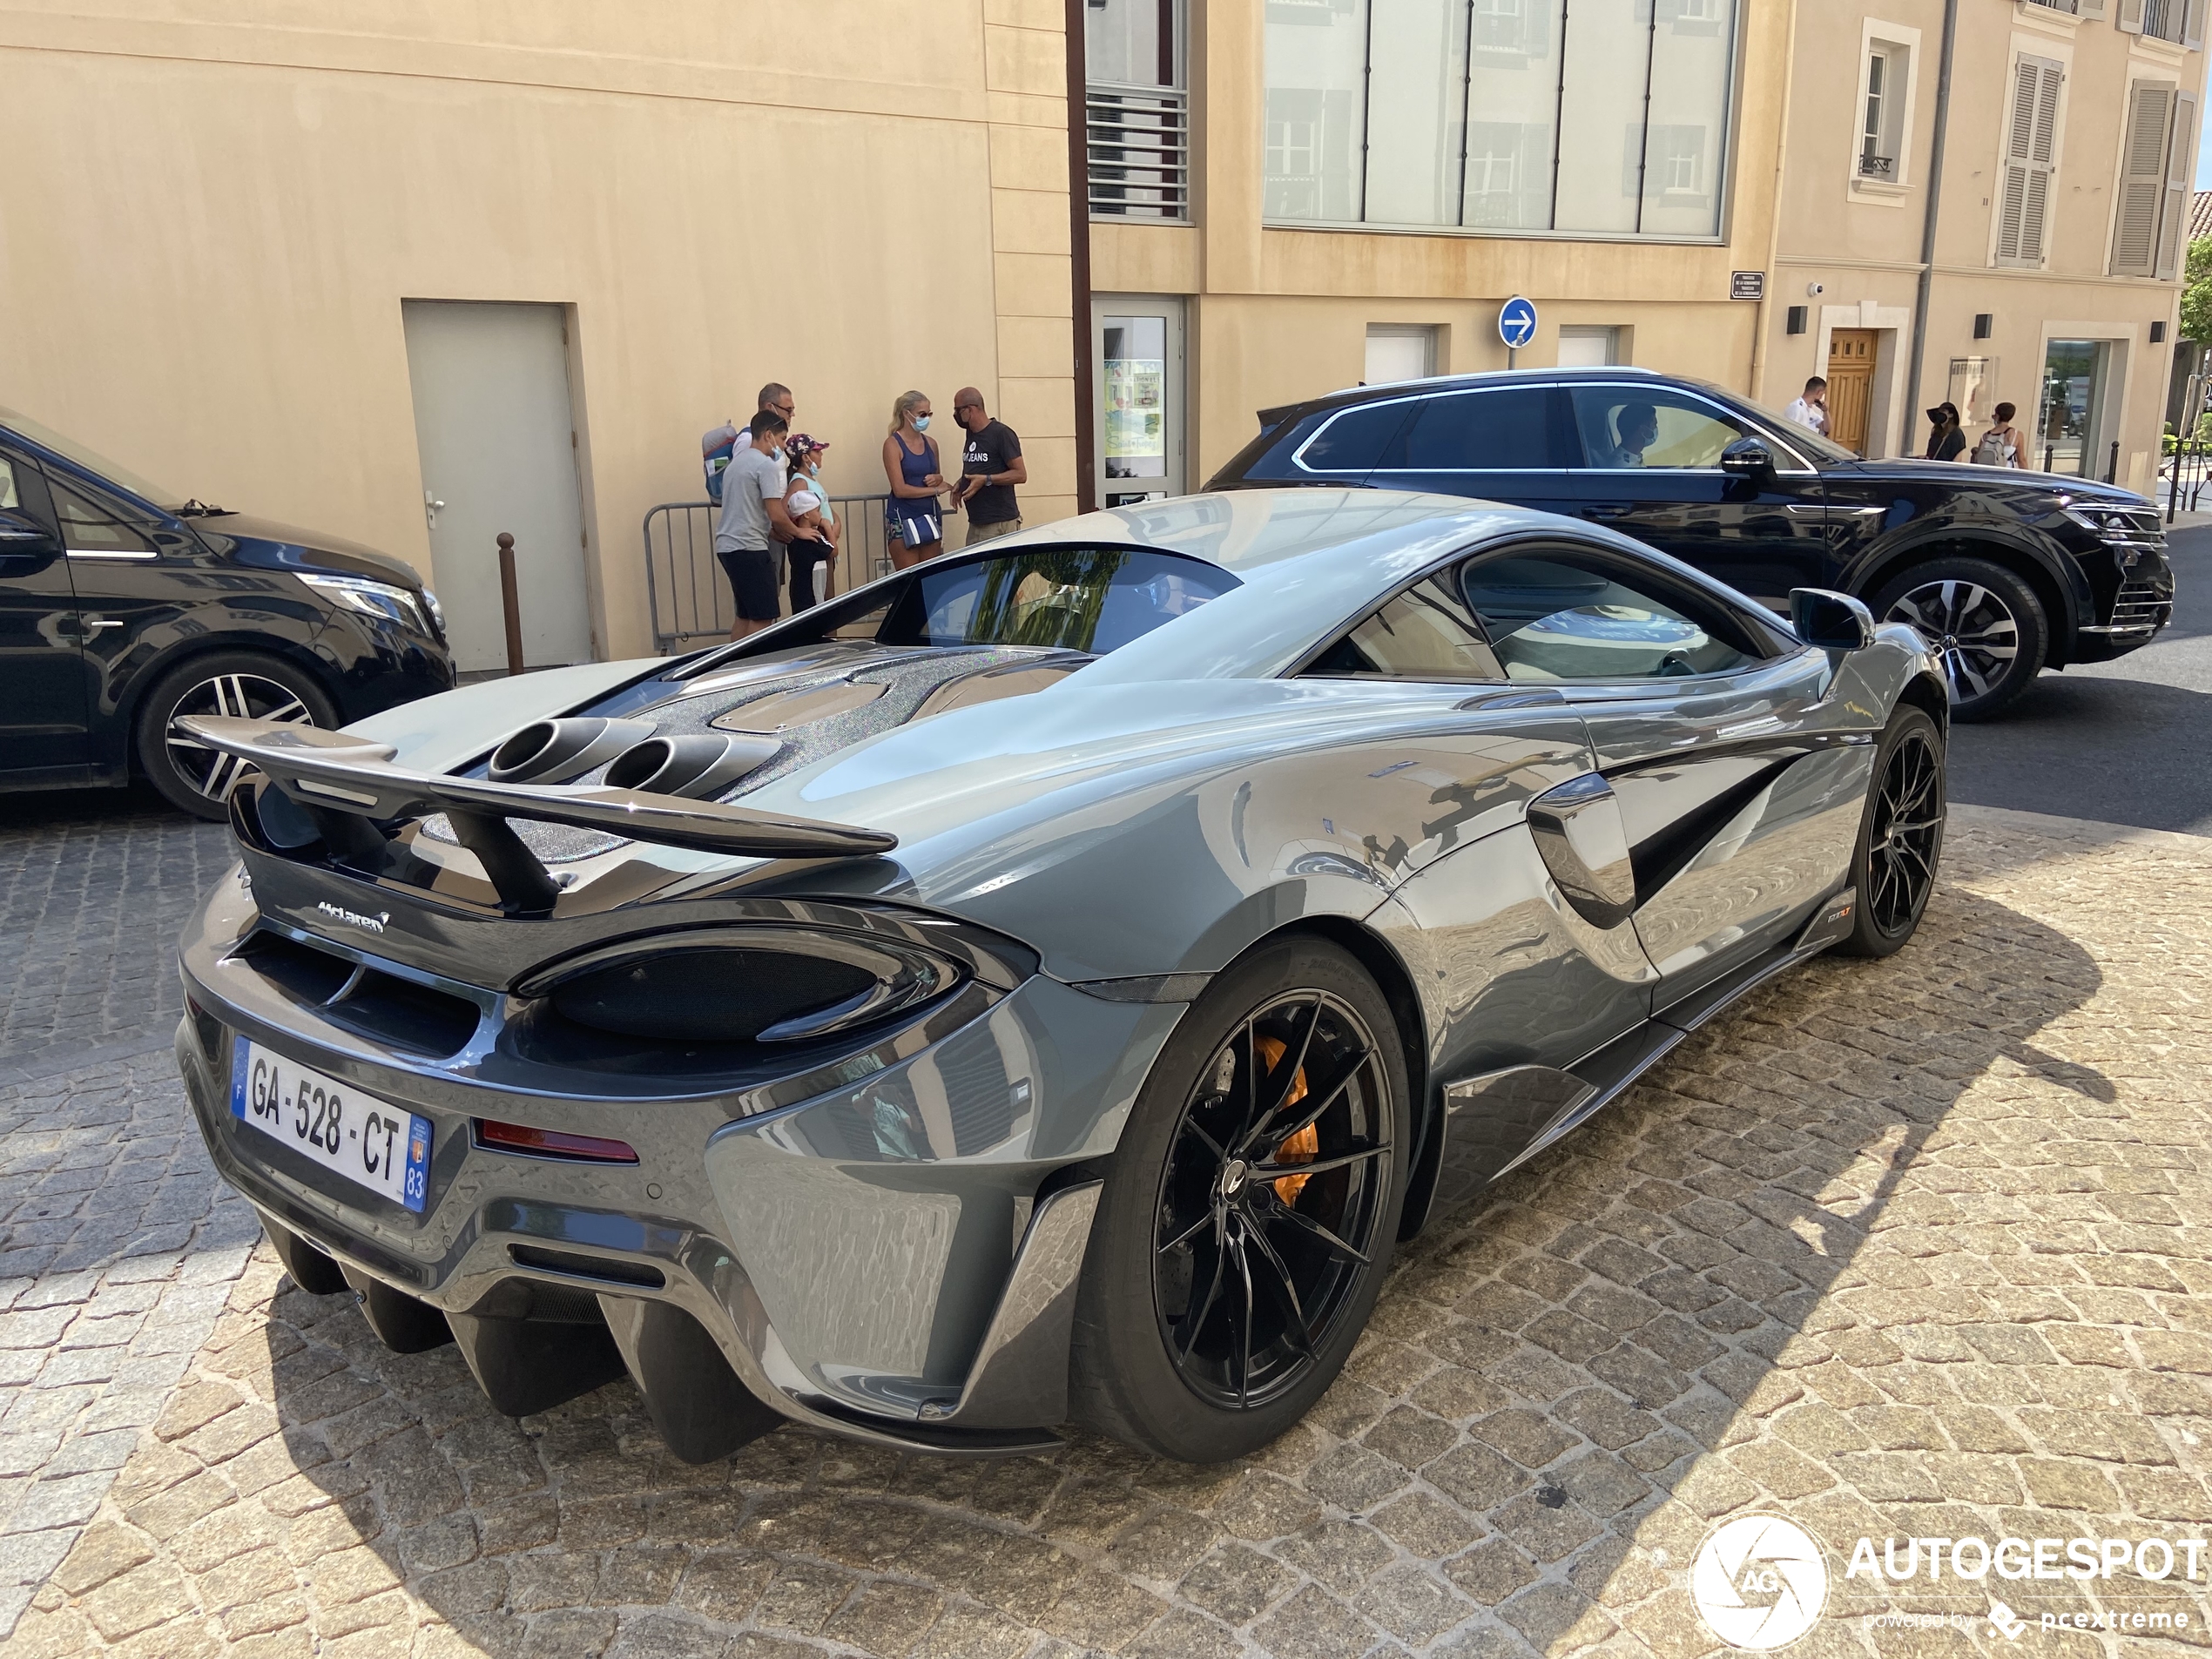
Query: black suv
{"points": [[123, 605], [2006, 572]]}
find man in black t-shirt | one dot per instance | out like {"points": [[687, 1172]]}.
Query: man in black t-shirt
{"points": [[990, 467]]}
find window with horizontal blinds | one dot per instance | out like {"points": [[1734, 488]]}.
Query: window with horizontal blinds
{"points": [[2142, 179], [2181, 169], [2030, 153]]}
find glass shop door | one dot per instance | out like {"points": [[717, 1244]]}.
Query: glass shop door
{"points": [[1137, 342]]}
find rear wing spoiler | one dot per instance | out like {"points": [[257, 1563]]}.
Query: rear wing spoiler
{"points": [[343, 782]]}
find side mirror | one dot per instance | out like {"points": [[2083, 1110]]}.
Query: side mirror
{"points": [[1831, 621], [1747, 458], [23, 538]]}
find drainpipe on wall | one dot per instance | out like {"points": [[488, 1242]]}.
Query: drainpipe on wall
{"points": [[1079, 260], [1928, 225], [1774, 215]]}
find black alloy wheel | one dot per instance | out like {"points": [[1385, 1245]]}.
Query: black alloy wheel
{"points": [[1249, 1209], [1983, 625], [1900, 835], [1268, 1198], [243, 684]]}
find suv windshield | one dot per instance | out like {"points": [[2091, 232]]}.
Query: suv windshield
{"points": [[1086, 599], [122, 477]]}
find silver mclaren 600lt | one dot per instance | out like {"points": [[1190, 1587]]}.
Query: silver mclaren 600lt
{"points": [[1041, 987]]}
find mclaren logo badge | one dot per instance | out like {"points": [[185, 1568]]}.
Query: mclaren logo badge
{"points": [[354, 918]]}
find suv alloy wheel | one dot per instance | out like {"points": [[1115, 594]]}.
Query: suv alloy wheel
{"points": [[1984, 625]]}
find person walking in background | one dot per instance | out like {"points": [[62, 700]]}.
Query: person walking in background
{"points": [[2003, 443], [753, 520], [813, 560], [1809, 408], [910, 462], [1946, 441], [991, 466]]}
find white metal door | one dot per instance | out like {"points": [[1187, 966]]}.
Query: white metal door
{"points": [[497, 431]]}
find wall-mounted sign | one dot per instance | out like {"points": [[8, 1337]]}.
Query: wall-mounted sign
{"points": [[1747, 284]]}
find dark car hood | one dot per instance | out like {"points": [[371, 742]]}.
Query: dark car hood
{"points": [[1948, 472], [263, 542]]}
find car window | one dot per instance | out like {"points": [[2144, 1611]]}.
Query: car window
{"points": [[1567, 615], [1649, 426], [1502, 430], [98, 526], [1088, 599], [11, 496], [1354, 441], [1426, 633]]}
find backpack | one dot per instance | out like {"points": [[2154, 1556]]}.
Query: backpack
{"points": [[715, 450], [1990, 452]]}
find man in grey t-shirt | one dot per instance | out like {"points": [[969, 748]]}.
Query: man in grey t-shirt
{"points": [[753, 512]]}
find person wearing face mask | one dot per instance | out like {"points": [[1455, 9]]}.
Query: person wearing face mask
{"points": [[917, 480], [753, 519], [813, 559]]}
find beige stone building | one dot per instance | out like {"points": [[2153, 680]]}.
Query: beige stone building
{"points": [[417, 273], [2069, 150], [335, 262]]}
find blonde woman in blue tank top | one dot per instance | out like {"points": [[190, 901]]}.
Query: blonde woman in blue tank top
{"points": [[912, 516]]}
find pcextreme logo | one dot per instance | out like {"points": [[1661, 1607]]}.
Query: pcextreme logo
{"points": [[1759, 1581]]}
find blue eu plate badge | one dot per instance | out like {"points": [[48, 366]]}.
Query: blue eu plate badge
{"points": [[365, 1140]]}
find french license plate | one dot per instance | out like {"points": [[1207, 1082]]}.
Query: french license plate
{"points": [[382, 1147]]}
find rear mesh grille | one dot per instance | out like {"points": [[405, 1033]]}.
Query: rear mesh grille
{"points": [[367, 1001]]}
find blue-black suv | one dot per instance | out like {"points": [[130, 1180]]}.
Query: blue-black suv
{"points": [[2006, 572]]}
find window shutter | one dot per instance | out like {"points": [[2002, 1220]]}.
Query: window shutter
{"points": [[2091, 9], [2031, 152], [2142, 179], [2181, 167], [2131, 17], [2193, 24]]}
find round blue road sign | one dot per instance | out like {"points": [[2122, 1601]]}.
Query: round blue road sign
{"points": [[1517, 322]]}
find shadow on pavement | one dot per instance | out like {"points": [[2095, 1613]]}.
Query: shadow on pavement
{"points": [[2081, 745], [1548, 1370]]}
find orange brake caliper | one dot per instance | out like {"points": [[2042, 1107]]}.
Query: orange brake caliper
{"points": [[1302, 1147]]}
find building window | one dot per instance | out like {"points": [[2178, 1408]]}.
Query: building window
{"points": [[1581, 346], [1137, 128], [1609, 117], [1881, 127], [1399, 351], [2031, 158], [2157, 156], [2181, 22]]}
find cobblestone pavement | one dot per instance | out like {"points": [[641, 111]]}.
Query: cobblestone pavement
{"points": [[1895, 1248]]}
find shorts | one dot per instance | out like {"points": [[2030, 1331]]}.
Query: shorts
{"points": [[990, 532], [752, 572]]}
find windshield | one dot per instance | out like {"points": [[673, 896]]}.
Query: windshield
{"points": [[122, 477], [1086, 599]]}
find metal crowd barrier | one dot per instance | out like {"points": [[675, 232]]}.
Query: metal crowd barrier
{"points": [[690, 598]]}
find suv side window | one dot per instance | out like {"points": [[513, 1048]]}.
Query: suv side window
{"points": [[1566, 614], [1629, 427], [1508, 429], [1354, 439], [1426, 633], [96, 527]]}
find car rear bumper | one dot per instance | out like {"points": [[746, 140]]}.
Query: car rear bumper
{"points": [[895, 1258]]}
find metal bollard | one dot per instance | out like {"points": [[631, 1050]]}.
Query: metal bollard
{"points": [[2112, 465], [510, 602]]}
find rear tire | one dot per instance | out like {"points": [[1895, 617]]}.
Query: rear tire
{"points": [[1900, 836], [1984, 624], [1222, 1291], [248, 683]]}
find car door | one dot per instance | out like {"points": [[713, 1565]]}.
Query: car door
{"points": [[1738, 798], [1510, 443], [42, 669], [1648, 465], [1516, 976]]}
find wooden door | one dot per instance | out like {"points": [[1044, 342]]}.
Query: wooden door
{"points": [[1851, 385]]}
